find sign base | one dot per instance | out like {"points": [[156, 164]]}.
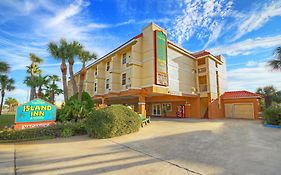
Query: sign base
{"points": [[33, 125]]}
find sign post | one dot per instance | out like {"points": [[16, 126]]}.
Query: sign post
{"points": [[35, 113]]}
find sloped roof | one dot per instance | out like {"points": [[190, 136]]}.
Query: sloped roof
{"points": [[240, 94]]}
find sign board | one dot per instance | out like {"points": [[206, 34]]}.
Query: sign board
{"points": [[36, 113], [161, 70]]}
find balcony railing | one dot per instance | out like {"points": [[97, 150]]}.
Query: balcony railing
{"points": [[202, 70], [203, 87]]}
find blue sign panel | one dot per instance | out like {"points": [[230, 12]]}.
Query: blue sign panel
{"points": [[36, 110]]}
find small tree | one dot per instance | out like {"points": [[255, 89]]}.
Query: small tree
{"points": [[7, 84], [84, 56], [12, 103], [269, 93]]}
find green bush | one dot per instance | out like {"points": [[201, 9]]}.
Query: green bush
{"points": [[272, 115], [70, 129], [112, 121], [59, 130], [86, 99], [75, 110]]}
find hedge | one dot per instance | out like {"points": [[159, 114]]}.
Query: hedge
{"points": [[59, 130], [115, 120], [272, 115]]}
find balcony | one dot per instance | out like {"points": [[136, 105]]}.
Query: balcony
{"points": [[203, 87], [202, 70]]}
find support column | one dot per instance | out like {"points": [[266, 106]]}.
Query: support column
{"points": [[103, 102], [141, 104]]}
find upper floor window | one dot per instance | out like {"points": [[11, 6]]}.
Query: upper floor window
{"points": [[124, 58], [95, 87], [96, 71], [124, 79], [108, 66], [107, 84]]}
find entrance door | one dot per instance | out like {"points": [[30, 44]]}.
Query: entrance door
{"points": [[156, 109]]}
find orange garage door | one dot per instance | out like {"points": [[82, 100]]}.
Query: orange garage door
{"points": [[241, 110]]}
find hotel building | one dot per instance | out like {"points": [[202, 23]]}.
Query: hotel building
{"points": [[156, 77]]}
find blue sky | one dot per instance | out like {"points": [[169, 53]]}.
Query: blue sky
{"points": [[244, 32]]}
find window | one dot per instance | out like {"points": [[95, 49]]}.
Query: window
{"points": [[108, 66], [96, 72], [124, 79], [167, 107], [95, 87], [107, 84], [156, 109], [124, 58]]}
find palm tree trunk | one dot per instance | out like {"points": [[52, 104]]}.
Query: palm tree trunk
{"points": [[2, 100], [72, 79], [39, 92], [33, 90], [64, 81], [52, 97], [81, 82]]}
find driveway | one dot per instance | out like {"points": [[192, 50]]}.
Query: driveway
{"points": [[167, 146]]}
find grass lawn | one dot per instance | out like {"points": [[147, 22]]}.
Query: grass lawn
{"points": [[6, 120]]}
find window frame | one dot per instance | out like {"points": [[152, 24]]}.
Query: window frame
{"points": [[108, 66], [124, 79], [164, 106], [124, 58], [95, 87], [107, 86]]}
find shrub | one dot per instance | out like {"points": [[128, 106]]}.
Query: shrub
{"points": [[59, 130], [272, 115], [86, 99], [70, 129], [75, 110], [112, 121]]}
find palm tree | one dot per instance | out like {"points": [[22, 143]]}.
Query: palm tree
{"points": [[11, 102], [35, 60], [269, 93], [40, 82], [60, 52], [52, 88], [4, 67], [84, 56], [6, 84], [31, 82], [74, 49], [276, 63]]}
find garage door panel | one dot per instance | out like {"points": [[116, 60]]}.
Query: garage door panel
{"points": [[243, 111]]}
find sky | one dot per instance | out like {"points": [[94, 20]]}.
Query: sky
{"points": [[244, 32]]}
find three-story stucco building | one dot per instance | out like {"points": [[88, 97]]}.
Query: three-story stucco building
{"points": [[158, 78]]}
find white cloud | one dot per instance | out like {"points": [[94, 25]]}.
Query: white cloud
{"points": [[197, 17], [250, 78], [256, 18], [246, 47], [252, 63]]}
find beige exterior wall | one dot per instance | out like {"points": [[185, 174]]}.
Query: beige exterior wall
{"points": [[182, 74]]}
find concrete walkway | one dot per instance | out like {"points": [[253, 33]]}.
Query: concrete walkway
{"points": [[167, 146], [7, 159]]}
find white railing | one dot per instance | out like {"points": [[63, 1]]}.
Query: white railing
{"points": [[203, 87]]}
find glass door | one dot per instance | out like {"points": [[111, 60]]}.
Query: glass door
{"points": [[156, 109]]}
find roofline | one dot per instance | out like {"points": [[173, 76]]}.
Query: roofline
{"points": [[212, 56], [181, 49], [242, 97], [131, 41]]}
